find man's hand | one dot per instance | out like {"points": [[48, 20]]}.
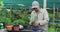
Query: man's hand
{"points": [[36, 23], [30, 24]]}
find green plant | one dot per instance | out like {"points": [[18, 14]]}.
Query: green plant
{"points": [[23, 20], [25, 17], [8, 21], [20, 21], [5, 16]]}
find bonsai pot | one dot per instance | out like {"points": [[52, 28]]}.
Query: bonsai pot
{"points": [[9, 27], [16, 28]]}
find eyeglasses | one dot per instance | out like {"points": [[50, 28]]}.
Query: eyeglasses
{"points": [[34, 8]]}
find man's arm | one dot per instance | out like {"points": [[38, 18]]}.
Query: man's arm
{"points": [[46, 18], [31, 18]]}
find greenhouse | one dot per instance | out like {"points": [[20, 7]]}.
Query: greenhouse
{"points": [[24, 3], [17, 12]]}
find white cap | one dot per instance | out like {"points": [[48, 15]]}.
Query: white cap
{"points": [[35, 4]]}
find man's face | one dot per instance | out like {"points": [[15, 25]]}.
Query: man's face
{"points": [[36, 9]]}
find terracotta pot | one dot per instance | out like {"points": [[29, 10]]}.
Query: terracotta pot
{"points": [[9, 27], [16, 28]]}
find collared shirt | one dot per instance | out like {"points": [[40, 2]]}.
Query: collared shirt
{"points": [[42, 16]]}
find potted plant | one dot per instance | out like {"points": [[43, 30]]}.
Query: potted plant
{"points": [[9, 24], [16, 24]]}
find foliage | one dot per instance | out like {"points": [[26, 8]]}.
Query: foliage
{"points": [[3, 16], [23, 20], [8, 21], [20, 21], [1, 4]]}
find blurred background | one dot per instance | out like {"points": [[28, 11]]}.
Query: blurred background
{"points": [[17, 12]]}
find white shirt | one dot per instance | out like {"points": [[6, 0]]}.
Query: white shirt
{"points": [[42, 18]]}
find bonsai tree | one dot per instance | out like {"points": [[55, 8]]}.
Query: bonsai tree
{"points": [[19, 21], [8, 21]]}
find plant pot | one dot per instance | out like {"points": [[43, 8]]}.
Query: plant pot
{"points": [[9, 27], [16, 27]]}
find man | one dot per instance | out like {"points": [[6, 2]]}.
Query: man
{"points": [[39, 17]]}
